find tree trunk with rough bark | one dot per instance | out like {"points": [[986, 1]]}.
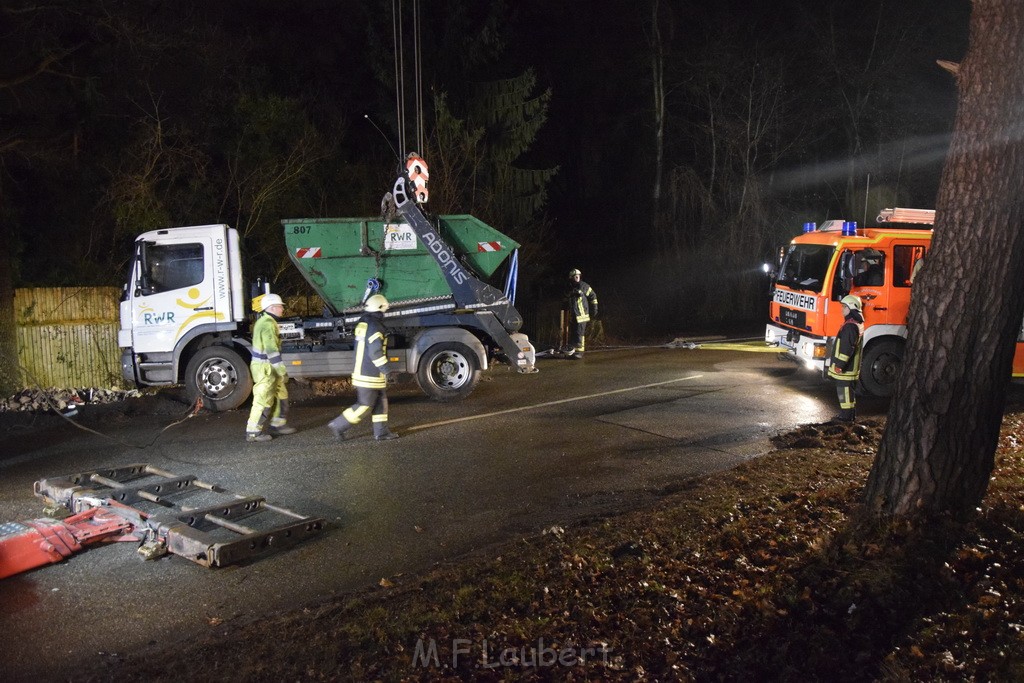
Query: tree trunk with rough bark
{"points": [[937, 451]]}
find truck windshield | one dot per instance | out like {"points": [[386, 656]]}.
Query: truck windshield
{"points": [[805, 266]]}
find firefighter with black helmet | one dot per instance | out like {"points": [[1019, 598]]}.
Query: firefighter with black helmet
{"points": [[844, 365], [582, 309], [369, 374]]}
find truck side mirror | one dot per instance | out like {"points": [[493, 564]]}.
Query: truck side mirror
{"points": [[772, 274], [845, 275], [771, 269]]}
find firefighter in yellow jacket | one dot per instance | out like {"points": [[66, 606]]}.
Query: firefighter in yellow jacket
{"points": [[269, 375], [369, 374], [844, 365], [582, 308]]}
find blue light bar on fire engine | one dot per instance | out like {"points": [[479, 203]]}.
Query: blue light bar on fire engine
{"points": [[810, 227], [849, 228]]}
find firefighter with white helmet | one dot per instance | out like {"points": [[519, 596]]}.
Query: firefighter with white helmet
{"points": [[582, 308], [844, 365], [369, 374], [269, 375]]}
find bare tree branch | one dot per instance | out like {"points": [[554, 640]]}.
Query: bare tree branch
{"points": [[42, 66]]}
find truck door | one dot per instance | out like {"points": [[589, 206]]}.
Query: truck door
{"points": [[1018, 355], [172, 292], [863, 273], [870, 275], [905, 255]]}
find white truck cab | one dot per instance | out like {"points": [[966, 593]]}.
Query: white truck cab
{"points": [[184, 294]]}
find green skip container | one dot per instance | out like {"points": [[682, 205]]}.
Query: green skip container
{"points": [[337, 256]]}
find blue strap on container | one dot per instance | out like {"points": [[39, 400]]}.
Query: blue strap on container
{"points": [[372, 287], [512, 279]]}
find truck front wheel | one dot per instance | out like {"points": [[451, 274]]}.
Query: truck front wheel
{"points": [[448, 372], [880, 367], [220, 377]]}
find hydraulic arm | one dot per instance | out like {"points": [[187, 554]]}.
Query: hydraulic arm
{"points": [[494, 311]]}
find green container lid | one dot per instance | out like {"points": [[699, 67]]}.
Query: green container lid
{"points": [[338, 255]]}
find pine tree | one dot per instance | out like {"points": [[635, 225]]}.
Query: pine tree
{"points": [[938, 448], [476, 160]]}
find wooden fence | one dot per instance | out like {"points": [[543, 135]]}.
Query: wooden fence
{"points": [[67, 337]]}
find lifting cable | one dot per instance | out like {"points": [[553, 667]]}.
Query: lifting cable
{"points": [[396, 27], [418, 67], [417, 62], [399, 40]]}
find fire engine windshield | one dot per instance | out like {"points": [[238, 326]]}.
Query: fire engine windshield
{"points": [[805, 266]]}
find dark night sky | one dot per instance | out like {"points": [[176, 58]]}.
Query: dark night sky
{"points": [[851, 81]]}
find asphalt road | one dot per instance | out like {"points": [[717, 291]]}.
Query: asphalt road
{"points": [[578, 440]]}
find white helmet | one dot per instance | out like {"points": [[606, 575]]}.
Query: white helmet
{"points": [[853, 303], [269, 300], [376, 304], [575, 272]]}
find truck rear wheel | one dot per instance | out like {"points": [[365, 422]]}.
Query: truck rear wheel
{"points": [[880, 367], [220, 377], [448, 372]]}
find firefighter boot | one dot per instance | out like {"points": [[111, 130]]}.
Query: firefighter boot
{"points": [[282, 430], [339, 426], [255, 432], [845, 416], [278, 425], [383, 433]]}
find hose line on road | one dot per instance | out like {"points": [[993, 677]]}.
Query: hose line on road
{"points": [[550, 403], [746, 344], [192, 412]]}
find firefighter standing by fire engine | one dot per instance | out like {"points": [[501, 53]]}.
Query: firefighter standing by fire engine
{"points": [[582, 307], [269, 375], [844, 365], [368, 375]]}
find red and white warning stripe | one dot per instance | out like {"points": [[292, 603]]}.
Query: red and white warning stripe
{"points": [[307, 252], [488, 246], [418, 174]]}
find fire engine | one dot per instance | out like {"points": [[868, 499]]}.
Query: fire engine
{"points": [[824, 264]]}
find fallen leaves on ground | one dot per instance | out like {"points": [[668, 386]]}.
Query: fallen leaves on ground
{"points": [[765, 572]]}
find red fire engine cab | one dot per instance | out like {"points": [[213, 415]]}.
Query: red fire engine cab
{"points": [[824, 264]]}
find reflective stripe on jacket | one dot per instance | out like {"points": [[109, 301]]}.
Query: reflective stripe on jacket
{"points": [[845, 361], [266, 342], [581, 297], [371, 354]]}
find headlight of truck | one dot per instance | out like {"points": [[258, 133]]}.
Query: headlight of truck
{"points": [[811, 350]]}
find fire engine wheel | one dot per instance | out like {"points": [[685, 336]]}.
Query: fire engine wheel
{"points": [[880, 367], [448, 372], [220, 377]]}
